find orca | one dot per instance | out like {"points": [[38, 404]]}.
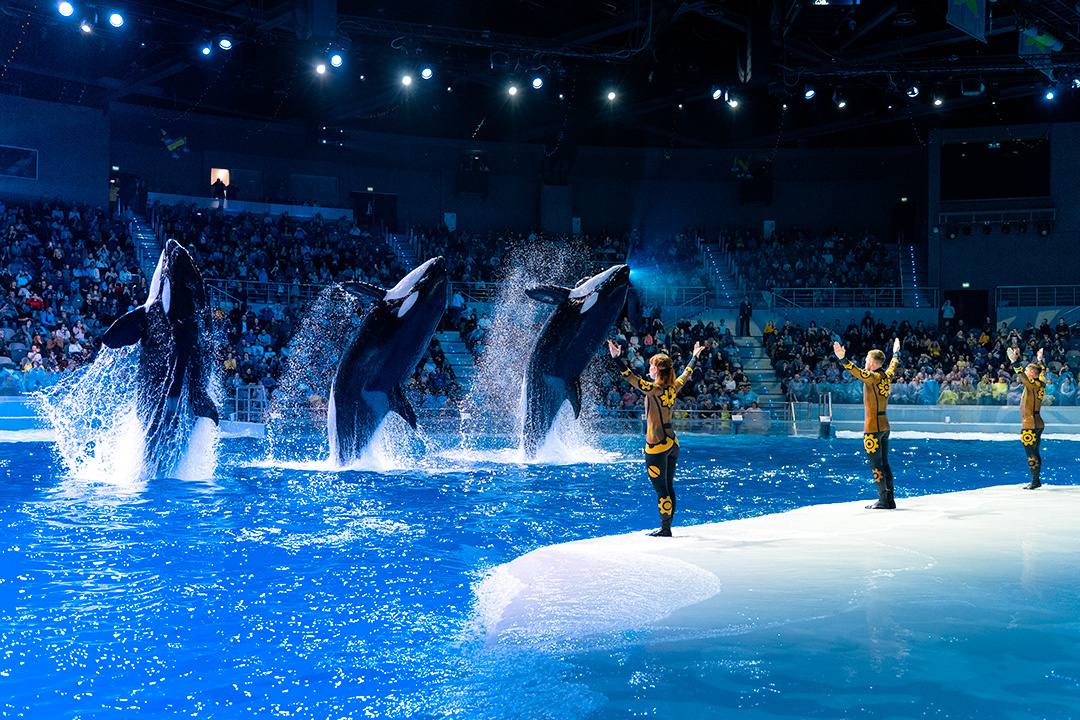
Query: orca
{"points": [[172, 381], [567, 342], [382, 354]]}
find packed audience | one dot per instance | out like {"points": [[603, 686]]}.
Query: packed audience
{"points": [[69, 270], [719, 387], [946, 365], [797, 259]]}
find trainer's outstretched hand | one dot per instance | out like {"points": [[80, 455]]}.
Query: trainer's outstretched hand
{"points": [[1013, 354], [614, 349], [1039, 357], [839, 350], [698, 347]]}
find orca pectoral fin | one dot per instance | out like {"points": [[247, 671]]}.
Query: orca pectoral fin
{"points": [[364, 291], [126, 330], [550, 294], [400, 404], [204, 407], [573, 394]]}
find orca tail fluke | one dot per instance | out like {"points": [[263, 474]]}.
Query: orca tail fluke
{"points": [[204, 407]]}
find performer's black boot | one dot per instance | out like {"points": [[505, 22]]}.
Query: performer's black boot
{"points": [[1034, 465], [883, 498], [665, 526], [889, 493]]}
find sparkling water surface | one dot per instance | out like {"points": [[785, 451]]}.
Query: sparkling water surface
{"points": [[288, 589]]}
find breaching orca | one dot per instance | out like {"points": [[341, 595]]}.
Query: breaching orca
{"points": [[567, 342], [384, 351], [173, 329]]}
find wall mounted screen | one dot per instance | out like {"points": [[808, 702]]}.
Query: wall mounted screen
{"points": [[995, 170]]}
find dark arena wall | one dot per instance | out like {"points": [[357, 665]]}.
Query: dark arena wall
{"points": [[654, 190]]}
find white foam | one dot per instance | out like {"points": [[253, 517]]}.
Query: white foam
{"points": [[736, 576]]}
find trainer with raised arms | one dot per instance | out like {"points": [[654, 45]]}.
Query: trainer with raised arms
{"points": [[876, 386], [1031, 422], [661, 445]]}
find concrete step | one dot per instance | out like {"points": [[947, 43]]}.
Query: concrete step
{"points": [[459, 358], [448, 336]]}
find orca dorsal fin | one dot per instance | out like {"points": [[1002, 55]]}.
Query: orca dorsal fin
{"points": [[126, 329], [400, 404], [364, 291], [551, 294], [573, 394]]}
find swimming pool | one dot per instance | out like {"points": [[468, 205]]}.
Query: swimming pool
{"points": [[287, 589]]}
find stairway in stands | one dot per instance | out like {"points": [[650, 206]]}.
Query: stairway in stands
{"points": [[915, 274], [758, 368], [147, 246], [459, 357], [400, 245], [728, 296]]}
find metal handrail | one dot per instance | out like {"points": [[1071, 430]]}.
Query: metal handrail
{"points": [[830, 297], [1037, 296], [255, 291]]}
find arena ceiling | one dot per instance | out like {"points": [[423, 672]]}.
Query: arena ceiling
{"points": [[663, 60]]}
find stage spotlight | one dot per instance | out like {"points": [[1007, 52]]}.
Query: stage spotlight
{"points": [[406, 80], [1044, 229], [953, 232], [912, 90], [337, 59], [611, 95], [538, 82], [116, 19], [426, 73], [839, 99], [204, 47], [86, 26], [731, 99], [717, 93], [321, 68], [1050, 94], [512, 90], [66, 9], [225, 42], [809, 92]]}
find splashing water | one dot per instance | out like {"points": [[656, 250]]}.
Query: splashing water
{"points": [[300, 402], [496, 401], [95, 416]]}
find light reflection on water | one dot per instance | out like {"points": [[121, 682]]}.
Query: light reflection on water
{"points": [[288, 588]]}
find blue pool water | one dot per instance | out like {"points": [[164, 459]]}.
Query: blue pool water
{"points": [[284, 589]]}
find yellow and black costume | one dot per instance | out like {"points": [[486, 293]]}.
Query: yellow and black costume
{"points": [[1031, 422], [876, 386], [661, 445]]}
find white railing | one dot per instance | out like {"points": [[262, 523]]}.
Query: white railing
{"points": [[1037, 296], [832, 297], [253, 291], [251, 403]]}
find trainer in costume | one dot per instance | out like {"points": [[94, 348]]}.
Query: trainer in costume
{"points": [[1031, 422], [661, 445], [876, 386]]}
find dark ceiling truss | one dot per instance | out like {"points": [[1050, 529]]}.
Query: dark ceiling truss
{"points": [[462, 37]]}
